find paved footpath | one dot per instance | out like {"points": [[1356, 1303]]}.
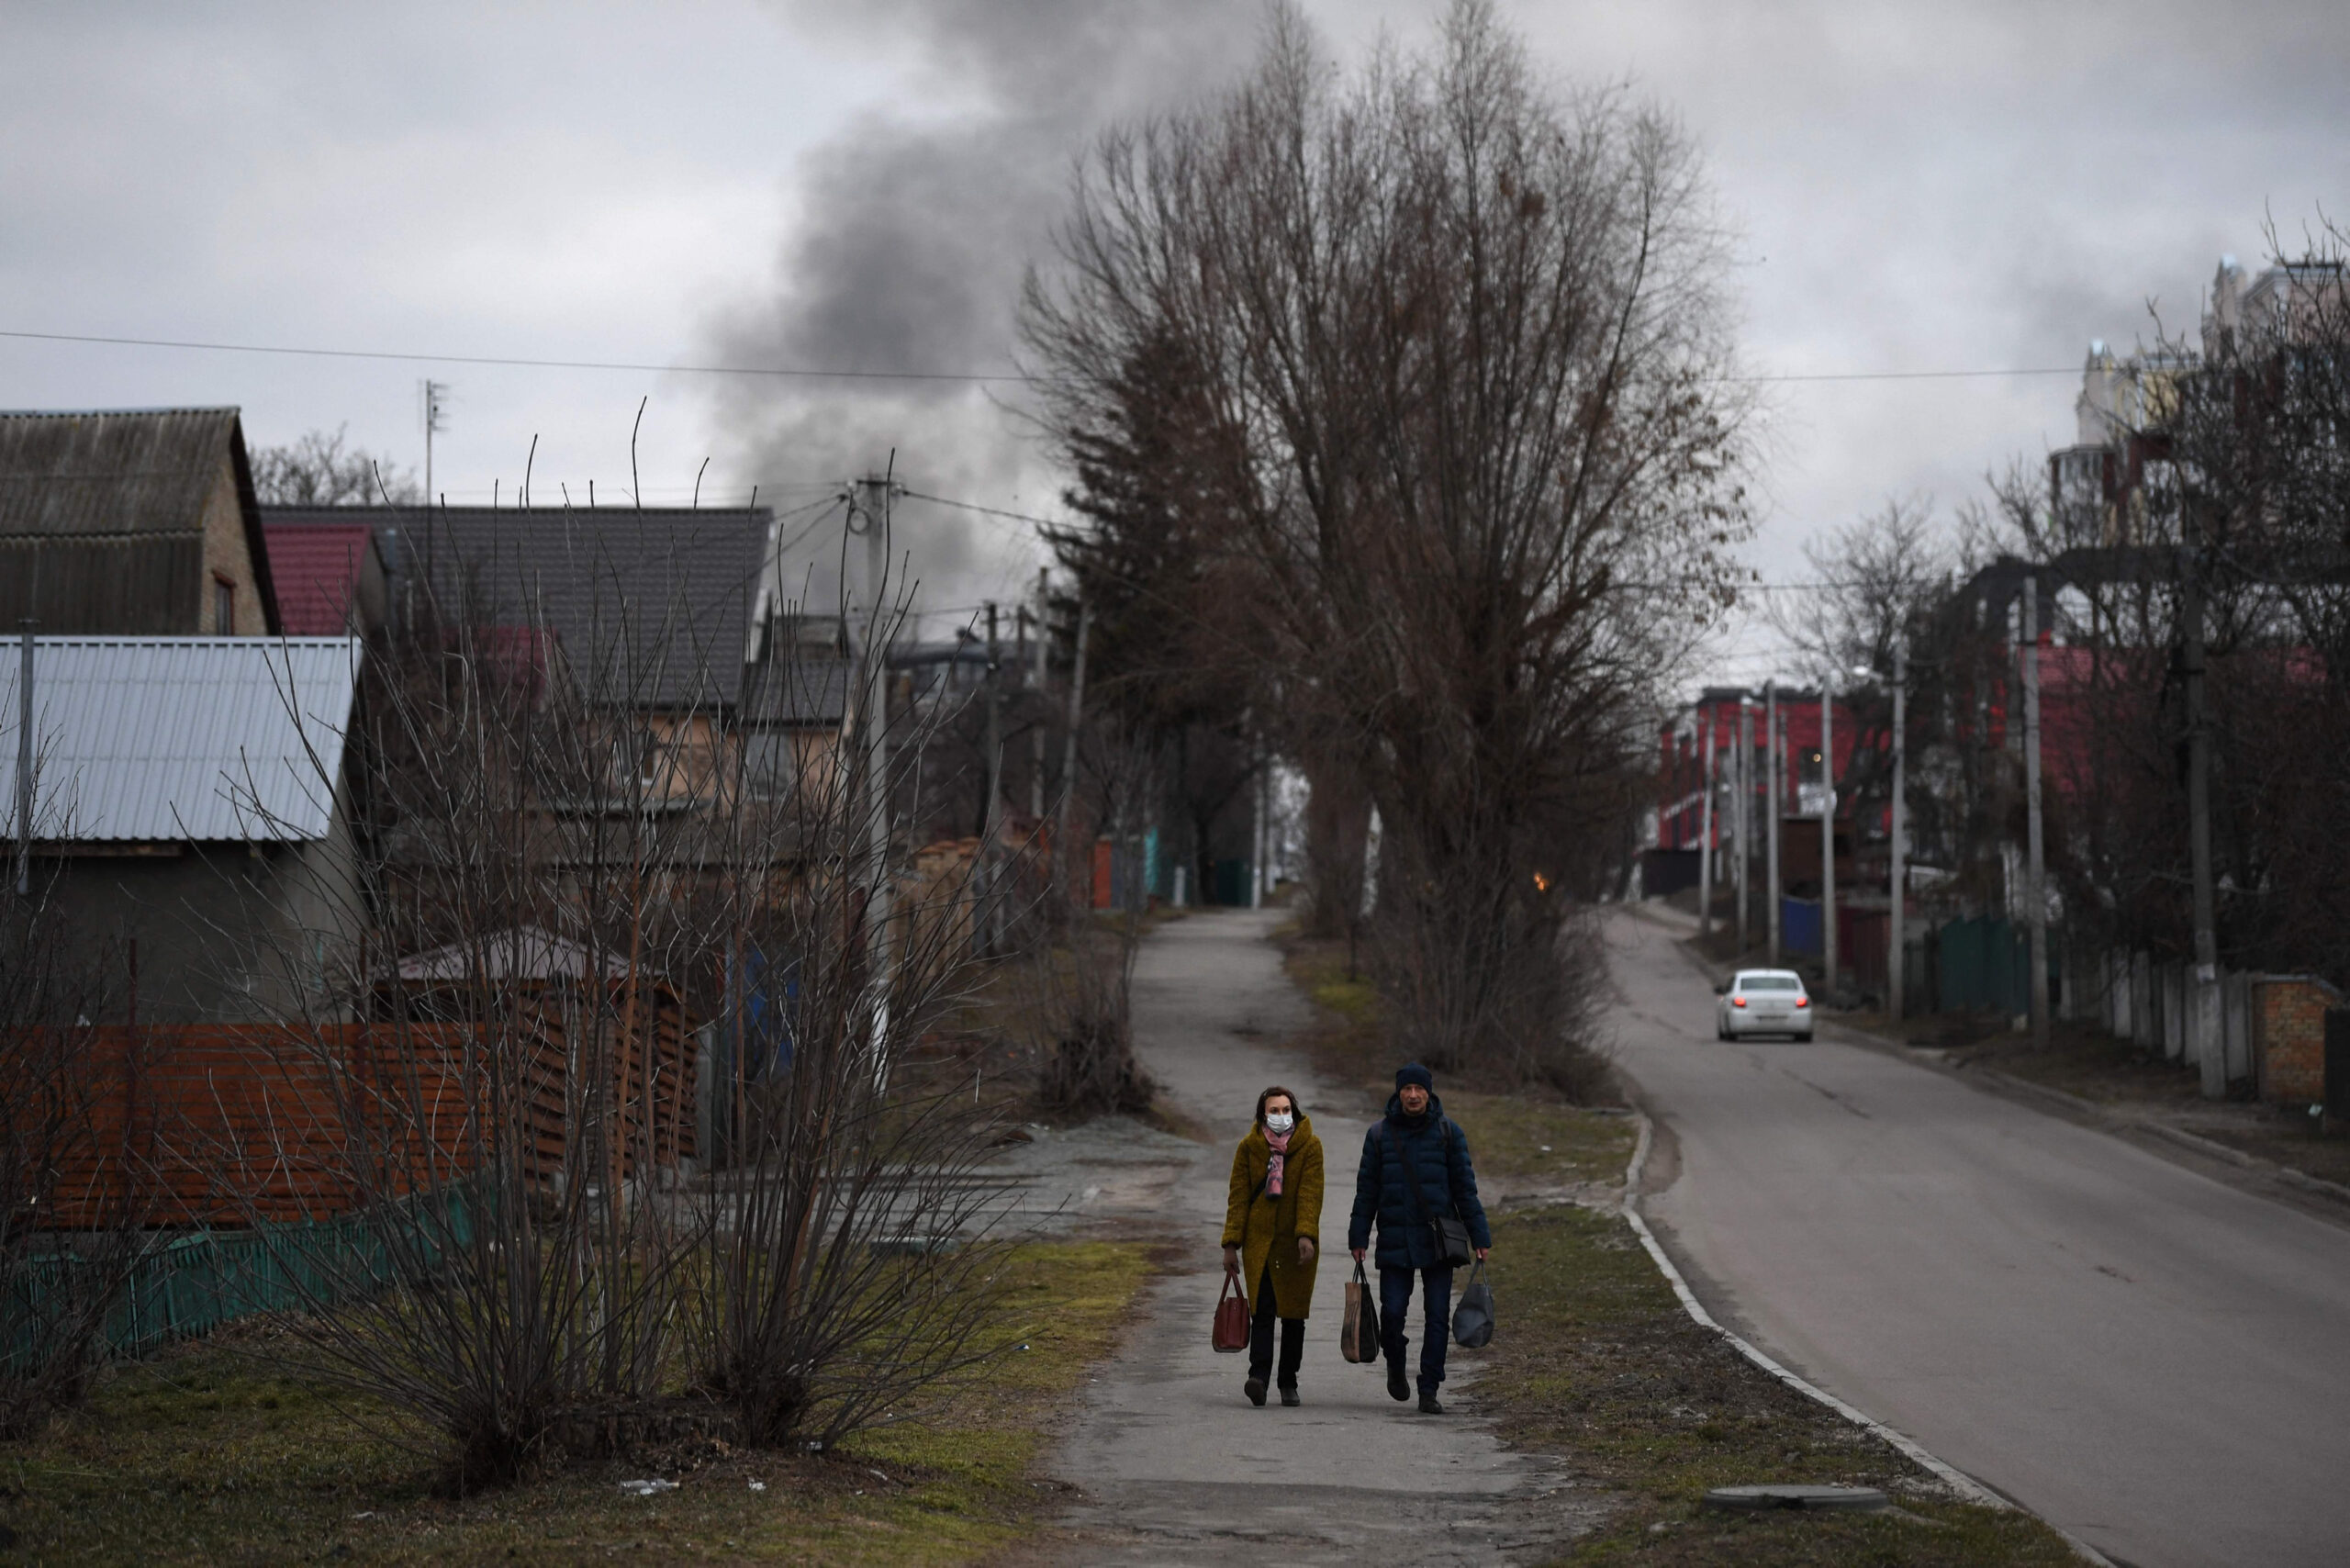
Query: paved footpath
{"points": [[2155, 1363], [1174, 1465]]}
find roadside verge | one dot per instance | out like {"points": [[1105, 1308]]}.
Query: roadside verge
{"points": [[1606, 1360]]}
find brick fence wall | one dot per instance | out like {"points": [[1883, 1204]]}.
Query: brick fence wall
{"points": [[2289, 1014]]}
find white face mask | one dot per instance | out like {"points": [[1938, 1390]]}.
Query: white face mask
{"points": [[1278, 1121]]}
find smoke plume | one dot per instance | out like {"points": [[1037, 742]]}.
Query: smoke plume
{"points": [[908, 255]]}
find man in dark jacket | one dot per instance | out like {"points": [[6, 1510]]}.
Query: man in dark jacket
{"points": [[1415, 1146]]}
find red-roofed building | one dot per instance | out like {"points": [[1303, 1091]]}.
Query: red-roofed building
{"points": [[328, 572]]}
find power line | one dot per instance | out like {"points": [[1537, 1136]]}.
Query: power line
{"points": [[987, 512], [1816, 585], [1907, 375], [819, 373], [515, 360]]}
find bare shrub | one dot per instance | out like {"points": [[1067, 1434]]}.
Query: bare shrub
{"points": [[852, 1248], [74, 1188], [1078, 1003], [587, 910]]}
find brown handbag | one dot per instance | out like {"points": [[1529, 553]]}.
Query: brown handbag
{"points": [[1359, 1339], [1232, 1315]]}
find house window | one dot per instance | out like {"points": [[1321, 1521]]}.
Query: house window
{"points": [[770, 764], [224, 608], [637, 758]]}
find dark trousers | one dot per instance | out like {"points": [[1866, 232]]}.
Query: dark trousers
{"points": [[1260, 1337], [1396, 1300]]}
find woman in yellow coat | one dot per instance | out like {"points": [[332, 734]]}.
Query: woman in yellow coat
{"points": [[1272, 1225]]}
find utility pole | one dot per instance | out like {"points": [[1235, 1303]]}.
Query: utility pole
{"points": [[1036, 735], [2035, 885], [1257, 837], [876, 724], [2204, 983], [1743, 769], [434, 392], [1895, 960], [1256, 824], [1770, 828], [1061, 845], [24, 759], [1827, 829], [983, 922], [1706, 833]]}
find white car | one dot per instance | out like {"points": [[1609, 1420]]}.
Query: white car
{"points": [[1764, 1002]]}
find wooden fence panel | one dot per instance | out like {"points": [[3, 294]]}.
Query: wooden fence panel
{"points": [[239, 1124]]}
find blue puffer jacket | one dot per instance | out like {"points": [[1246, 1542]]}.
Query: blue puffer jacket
{"points": [[1435, 1152]]}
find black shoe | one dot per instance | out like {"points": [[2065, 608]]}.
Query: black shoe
{"points": [[1398, 1385], [1256, 1389], [1289, 1398], [1430, 1405]]}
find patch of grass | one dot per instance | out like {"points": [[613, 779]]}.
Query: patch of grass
{"points": [[1507, 1132], [1345, 1039], [1596, 1363], [1524, 1138], [210, 1454]]}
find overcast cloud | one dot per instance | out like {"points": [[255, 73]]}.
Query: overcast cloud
{"points": [[1918, 187]]}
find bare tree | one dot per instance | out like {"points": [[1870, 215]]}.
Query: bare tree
{"points": [[1465, 346], [317, 469], [2217, 531], [1873, 582]]}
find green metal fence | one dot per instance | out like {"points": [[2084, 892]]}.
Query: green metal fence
{"points": [[191, 1283], [1981, 965]]}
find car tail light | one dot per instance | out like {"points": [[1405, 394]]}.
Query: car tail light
{"points": [[1803, 1002], [1738, 1001]]}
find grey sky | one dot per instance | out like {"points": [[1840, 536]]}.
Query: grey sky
{"points": [[1918, 187]]}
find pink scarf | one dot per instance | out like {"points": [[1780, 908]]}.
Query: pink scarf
{"points": [[1280, 1142]]}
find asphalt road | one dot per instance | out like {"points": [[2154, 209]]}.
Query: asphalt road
{"points": [[2154, 1361], [1175, 1466]]}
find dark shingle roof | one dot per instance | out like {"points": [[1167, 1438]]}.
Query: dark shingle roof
{"points": [[652, 607], [804, 686]]}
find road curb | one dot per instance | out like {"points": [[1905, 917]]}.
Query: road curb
{"points": [[1958, 1480]]}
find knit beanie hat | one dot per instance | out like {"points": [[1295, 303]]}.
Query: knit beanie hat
{"points": [[1412, 1072]]}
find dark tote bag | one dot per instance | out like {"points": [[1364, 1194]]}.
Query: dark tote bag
{"points": [[1473, 1319], [1359, 1339], [1232, 1315]]}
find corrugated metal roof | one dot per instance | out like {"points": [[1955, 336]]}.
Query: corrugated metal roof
{"points": [[111, 471], [519, 952], [206, 739], [102, 518], [149, 585]]}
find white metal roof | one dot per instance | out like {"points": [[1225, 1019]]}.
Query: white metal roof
{"points": [[519, 952], [188, 738]]}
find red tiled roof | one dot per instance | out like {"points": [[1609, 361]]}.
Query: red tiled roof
{"points": [[316, 565]]}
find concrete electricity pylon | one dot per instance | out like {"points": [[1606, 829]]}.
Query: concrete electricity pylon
{"points": [[1773, 750], [2035, 862], [869, 500]]}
